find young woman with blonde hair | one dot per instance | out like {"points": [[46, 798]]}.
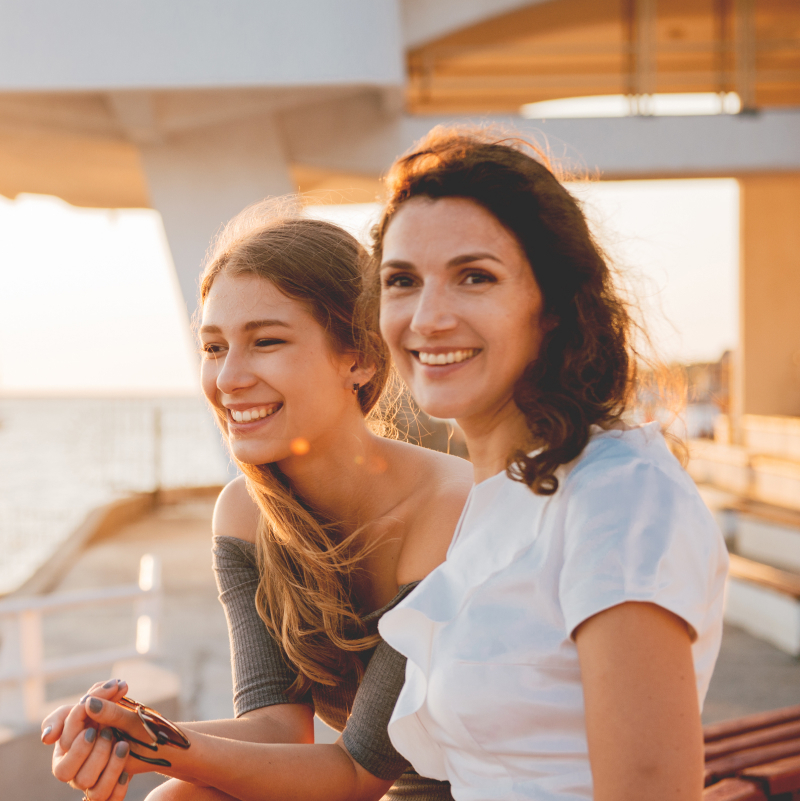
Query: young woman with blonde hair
{"points": [[329, 527]]}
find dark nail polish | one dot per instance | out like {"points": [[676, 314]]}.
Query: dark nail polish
{"points": [[121, 750], [83, 700], [90, 735], [121, 682], [109, 684], [95, 704], [106, 734], [47, 731], [123, 778]]}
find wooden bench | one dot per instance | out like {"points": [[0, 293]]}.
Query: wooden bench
{"points": [[755, 758]]}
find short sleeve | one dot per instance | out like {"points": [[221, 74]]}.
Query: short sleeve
{"points": [[366, 735], [635, 530], [261, 677]]}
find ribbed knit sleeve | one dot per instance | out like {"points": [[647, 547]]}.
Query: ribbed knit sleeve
{"points": [[366, 736], [261, 677]]}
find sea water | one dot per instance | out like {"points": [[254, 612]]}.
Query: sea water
{"points": [[62, 457]]}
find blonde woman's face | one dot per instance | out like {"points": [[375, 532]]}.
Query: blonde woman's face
{"points": [[460, 308], [268, 367]]}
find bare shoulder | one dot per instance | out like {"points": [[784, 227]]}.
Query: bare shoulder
{"points": [[235, 513], [438, 495]]}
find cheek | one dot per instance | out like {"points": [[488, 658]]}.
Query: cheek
{"points": [[391, 325], [208, 379]]}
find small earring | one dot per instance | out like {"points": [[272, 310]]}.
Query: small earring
{"points": [[355, 389]]}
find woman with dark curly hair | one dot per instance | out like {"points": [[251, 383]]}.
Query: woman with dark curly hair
{"points": [[564, 648]]}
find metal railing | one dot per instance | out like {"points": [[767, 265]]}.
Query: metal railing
{"points": [[24, 671], [60, 458]]}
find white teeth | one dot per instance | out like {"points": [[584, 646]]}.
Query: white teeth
{"points": [[256, 413], [453, 357]]}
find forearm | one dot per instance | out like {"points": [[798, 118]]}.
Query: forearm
{"points": [[256, 771], [258, 726]]}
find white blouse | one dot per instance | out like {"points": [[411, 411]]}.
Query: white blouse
{"points": [[493, 700]]}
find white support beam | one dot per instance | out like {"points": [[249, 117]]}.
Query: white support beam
{"points": [[84, 45], [360, 139], [626, 147], [199, 180], [426, 20]]}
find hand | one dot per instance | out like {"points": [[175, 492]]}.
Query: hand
{"points": [[85, 755], [53, 724]]}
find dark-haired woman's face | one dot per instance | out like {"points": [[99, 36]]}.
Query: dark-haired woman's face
{"points": [[460, 308]]}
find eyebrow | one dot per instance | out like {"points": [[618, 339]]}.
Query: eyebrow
{"points": [[456, 261], [253, 325]]}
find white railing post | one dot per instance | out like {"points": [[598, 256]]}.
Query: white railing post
{"points": [[12, 702], [23, 670], [147, 608], [32, 652]]}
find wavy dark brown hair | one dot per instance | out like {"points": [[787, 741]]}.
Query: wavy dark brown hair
{"points": [[306, 562], [585, 373]]}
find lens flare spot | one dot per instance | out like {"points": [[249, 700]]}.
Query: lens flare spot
{"points": [[300, 446], [359, 459], [377, 464]]}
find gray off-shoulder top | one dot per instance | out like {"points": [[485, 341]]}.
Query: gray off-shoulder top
{"points": [[261, 678]]}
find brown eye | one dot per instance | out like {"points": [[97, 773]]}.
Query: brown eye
{"points": [[479, 278], [399, 280]]}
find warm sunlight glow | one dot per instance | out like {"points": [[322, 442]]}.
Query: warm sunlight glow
{"points": [[657, 105], [300, 446]]}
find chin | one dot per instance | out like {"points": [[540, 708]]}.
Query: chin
{"points": [[443, 408], [250, 455]]}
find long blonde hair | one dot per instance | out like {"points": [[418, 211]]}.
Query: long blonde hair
{"points": [[306, 562]]}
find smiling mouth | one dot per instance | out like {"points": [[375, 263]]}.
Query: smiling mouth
{"points": [[254, 413], [447, 357]]}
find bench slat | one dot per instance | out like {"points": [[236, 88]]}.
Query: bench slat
{"points": [[782, 776], [752, 739], [733, 763], [734, 790], [761, 720], [773, 578]]}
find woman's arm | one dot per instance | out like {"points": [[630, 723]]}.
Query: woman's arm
{"points": [[250, 771], [642, 713]]}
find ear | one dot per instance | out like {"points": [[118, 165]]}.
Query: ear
{"points": [[360, 373]]}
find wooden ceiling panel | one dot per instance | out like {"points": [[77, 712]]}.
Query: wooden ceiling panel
{"points": [[571, 48]]}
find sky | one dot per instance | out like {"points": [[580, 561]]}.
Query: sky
{"points": [[90, 304]]}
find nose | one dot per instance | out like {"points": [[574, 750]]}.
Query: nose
{"points": [[234, 373], [434, 312]]}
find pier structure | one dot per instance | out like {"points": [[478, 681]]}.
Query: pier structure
{"points": [[199, 110]]}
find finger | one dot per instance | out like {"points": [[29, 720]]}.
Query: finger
{"points": [[120, 788], [77, 720], [53, 724], [113, 783], [96, 761], [108, 714], [67, 762]]}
